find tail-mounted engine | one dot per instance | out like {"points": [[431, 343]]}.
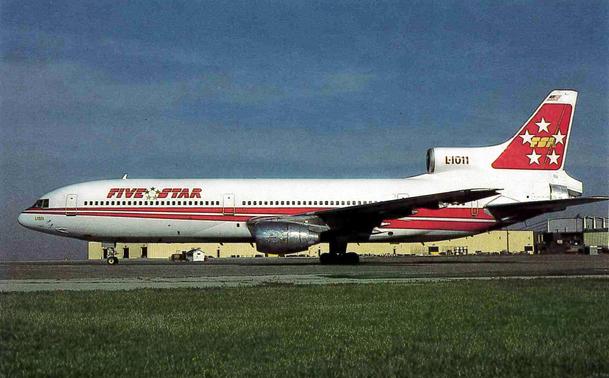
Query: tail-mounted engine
{"points": [[275, 236], [449, 159]]}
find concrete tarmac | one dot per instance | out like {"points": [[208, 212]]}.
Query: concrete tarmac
{"points": [[134, 274]]}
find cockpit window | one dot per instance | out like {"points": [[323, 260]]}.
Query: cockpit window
{"points": [[42, 203]]}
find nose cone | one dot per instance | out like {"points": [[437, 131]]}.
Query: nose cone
{"points": [[25, 220]]}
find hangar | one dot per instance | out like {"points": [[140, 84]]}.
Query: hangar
{"points": [[576, 235], [503, 241]]}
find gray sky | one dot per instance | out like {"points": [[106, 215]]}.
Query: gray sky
{"points": [[91, 90]]}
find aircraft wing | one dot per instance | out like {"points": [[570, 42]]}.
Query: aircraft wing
{"points": [[364, 218], [511, 212]]}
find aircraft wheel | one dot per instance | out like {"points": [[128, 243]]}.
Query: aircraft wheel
{"points": [[325, 258], [351, 258], [112, 260]]}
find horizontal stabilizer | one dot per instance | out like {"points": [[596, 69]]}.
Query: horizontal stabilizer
{"points": [[513, 212]]}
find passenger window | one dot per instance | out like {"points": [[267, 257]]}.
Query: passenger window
{"points": [[189, 203], [314, 202], [282, 202], [266, 203], [326, 202], [96, 203]]}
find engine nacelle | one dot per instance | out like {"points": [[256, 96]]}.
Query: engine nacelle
{"points": [[449, 159], [283, 237]]}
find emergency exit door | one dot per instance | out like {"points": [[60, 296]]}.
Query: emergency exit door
{"points": [[71, 204], [228, 204]]}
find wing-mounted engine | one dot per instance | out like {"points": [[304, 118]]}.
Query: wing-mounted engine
{"points": [[442, 159], [283, 236]]}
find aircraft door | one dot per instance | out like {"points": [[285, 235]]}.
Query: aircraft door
{"points": [[474, 209], [71, 204], [228, 204]]}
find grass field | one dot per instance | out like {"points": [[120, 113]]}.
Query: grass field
{"points": [[494, 328]]}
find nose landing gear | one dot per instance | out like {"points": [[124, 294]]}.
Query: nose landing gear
{"points": [[111, 258]]}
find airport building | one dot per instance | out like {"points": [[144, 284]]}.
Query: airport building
{"points": [[576, 235], [504, 241]]}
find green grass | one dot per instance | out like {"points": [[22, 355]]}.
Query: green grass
{"points": [[495, 328]]}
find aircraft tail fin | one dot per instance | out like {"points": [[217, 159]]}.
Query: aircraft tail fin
{"points": [[541, 143]]}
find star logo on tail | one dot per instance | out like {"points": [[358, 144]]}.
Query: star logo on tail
{"points": [[543, 125], [533, 158]]}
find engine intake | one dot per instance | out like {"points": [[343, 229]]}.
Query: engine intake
{"points": [[283, 237]]}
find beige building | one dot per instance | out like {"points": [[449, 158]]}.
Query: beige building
{"points": [[489, 242]]}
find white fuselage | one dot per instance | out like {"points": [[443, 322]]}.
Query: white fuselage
{"points": [[528, 167], [216, 210]]}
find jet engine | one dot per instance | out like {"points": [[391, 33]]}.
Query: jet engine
{"points": [[442, 159], [283, 237]]}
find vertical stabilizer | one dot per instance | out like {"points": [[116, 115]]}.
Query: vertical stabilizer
{"points": [[541, 143]]}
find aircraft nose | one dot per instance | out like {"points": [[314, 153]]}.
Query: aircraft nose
{"points": [[24, 220]]}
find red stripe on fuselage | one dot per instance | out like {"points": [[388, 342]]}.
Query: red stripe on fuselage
{"points": [[460, 219], [464, 213]]}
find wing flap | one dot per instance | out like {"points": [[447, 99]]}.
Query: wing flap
{"points": [[370, 215]]}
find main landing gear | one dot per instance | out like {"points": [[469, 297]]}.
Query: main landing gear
{"points": [[339, 255]]}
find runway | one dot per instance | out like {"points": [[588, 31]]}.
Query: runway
{"points": [[135, 274]]}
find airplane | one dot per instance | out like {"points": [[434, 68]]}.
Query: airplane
{"points": [[465, 191]]}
